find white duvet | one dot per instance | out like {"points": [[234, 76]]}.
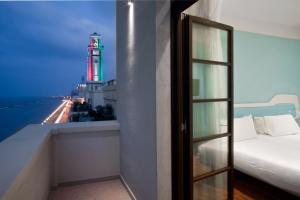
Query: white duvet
{"points": [[275, 160]]}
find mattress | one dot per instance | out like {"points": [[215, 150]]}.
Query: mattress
{"points": [[275, 160]]}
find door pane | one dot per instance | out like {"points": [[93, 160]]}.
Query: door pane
{"points": [[211, 188], [210, 155], [209, 81], [209, 118], [209, 43]]}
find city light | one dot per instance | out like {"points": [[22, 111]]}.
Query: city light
{"points": [[55, 111]]}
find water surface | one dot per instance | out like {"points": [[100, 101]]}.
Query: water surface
{"points": [[17, 112]]}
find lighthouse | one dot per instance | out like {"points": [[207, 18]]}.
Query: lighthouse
{"points": [[95, 58]]}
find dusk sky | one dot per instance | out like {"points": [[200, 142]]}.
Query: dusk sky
{"points": [[43, 45]]}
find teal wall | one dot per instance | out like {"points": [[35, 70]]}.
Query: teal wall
{"points": [[265, 66]]}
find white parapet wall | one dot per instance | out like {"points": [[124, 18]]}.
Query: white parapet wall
{"points": [[85, 153], [40, 157]]}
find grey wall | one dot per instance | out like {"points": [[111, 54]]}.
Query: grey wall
{"points": [[163, 100], [136, 96], [143, 76]]}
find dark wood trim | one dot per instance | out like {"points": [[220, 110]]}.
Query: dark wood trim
{"points": [[258, 189], [211, 137], [189, 107], [182, 181], [176, 146], [211, 100], [229, 167], [178, 135], [212, 173], [178, 6], [231, 113], [210, 62]]}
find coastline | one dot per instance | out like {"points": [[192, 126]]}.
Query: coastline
{"points": [[18, 112], [60, 114]]}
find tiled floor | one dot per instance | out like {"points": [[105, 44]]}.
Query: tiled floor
{"points": [[105, 190]]}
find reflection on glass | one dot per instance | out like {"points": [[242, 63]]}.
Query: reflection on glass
{"points": [[210, 155], [209, 81], [211, 188], [209, 118], [209, 43]]}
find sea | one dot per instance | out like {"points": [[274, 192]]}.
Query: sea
{"points": [[17, 112]]}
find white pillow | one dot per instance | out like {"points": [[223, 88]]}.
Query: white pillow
{"points": [[279, 125], [244, 129], [259, 124]]}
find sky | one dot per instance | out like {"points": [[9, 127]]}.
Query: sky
{"points": [[43, 45]]}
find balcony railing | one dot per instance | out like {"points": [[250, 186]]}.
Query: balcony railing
{"points": [[39, 158]]}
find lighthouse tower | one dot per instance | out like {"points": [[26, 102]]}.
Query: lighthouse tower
{"points": [[93, 94], [95, 64]]}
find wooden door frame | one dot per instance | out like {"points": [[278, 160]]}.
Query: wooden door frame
{"points": [[178, 187], [177, 132], [181, 183], [229, 134]]}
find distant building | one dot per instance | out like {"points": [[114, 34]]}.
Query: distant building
{"points": [[94, 90], [110, 94], [94, 94], [95, 53]]}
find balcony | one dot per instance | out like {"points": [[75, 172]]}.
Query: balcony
{"points": [[63, 161]]}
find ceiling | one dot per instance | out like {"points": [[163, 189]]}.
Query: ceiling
{"points": [[272, 17]]}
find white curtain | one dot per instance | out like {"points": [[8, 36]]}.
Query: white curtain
{"points": [[210, 118], [209, 9]]}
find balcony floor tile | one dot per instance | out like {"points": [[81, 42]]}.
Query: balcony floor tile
{"points": [[105, 190]]}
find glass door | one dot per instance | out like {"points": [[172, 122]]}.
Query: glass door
{"points": [[209, 108]]}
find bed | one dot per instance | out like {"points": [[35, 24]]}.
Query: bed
{"points": [[275, 160]]}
